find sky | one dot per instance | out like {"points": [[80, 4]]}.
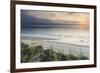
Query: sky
{"points": [[67, 27], [31, 18]]}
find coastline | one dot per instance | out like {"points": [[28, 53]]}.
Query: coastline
{"points": [[65, 48]]}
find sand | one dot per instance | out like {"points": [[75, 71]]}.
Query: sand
{"points": [[65, 48]]}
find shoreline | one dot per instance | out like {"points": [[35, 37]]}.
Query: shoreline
{"points": [[59, 47], [50, 40]]}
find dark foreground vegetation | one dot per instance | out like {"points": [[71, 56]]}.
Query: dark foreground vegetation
{"points": [[39, 54]]}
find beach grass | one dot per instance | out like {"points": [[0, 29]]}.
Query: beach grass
{"points": [[39, 54]]}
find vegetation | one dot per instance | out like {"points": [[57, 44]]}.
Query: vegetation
{"points": [[39, 54]]}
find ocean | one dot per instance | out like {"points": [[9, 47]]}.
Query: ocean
{"points": [[63, 35]]}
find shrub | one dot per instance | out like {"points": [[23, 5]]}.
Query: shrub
{"points": [[25, 53], [71, 57], [49, 55]]}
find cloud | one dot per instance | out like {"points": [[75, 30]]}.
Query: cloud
{"points": [[46, 18]]}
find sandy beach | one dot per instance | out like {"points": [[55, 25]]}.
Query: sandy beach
{"points": [[65, 48]]}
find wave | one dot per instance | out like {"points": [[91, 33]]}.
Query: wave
{"points": [[77, 40]]}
